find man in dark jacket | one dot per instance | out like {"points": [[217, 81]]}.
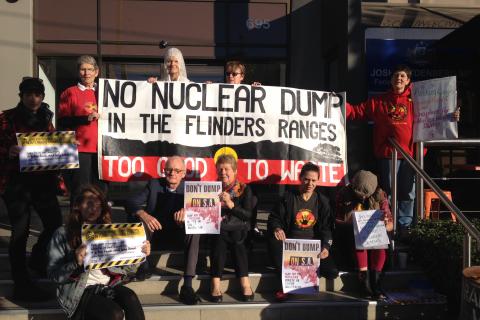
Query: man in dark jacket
{"points": [[303, 214], [164, 218], [22, 190]]}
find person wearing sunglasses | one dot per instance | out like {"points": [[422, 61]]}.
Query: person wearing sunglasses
{"points": [[160, 207], [24, 191], [235, 73]]}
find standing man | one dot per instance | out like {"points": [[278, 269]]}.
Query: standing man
{"points": [[164, 218], [392, 114], [303, 214], [22, 190]]}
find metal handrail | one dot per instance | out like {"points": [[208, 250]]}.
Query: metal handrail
{"points": [[467, 224]]}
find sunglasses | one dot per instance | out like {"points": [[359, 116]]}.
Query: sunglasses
{"points": [[234, 74]]}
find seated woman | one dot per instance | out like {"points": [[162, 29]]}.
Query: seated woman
{"points": [[236, 200], [173, 68], [94, 294], [363, 193]]}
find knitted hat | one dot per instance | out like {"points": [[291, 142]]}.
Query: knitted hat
{"points": [[364, 183], [30, 84]]}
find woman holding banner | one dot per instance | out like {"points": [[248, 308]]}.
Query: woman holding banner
{"points": [[173, 68], [94, 294], [236, 200], [363, 193], [78, 111]]}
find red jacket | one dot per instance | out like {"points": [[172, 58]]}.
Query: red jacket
{"points": [[392, 115], [13, 121], [75, 106]]}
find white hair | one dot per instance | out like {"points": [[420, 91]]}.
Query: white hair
{"points": [[174, 52]]}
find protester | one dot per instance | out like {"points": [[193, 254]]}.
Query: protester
{"points": [[302, 214], [361, 194], [173, 68], [89, 294], [236, 200], [23, 191], [164, 217], [392, 114], [78, 111], [235, 73]]}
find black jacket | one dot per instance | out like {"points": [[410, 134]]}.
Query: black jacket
{"points": [[281, 217]]}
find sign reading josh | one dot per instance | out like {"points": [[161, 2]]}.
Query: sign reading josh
{"points": [[47, 151], [272, 131], [435, 101], [111, 245], [202, 207], [301, 260], [369, 230]]}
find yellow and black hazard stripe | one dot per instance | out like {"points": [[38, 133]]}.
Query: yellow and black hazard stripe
{"points": [[117, 263], [111, 226], [55, 137], [51, 167]]}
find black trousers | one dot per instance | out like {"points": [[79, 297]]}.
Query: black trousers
{"points": [[328, 268], [23, 193], [96, 306], [86, 174], [233, 240]]}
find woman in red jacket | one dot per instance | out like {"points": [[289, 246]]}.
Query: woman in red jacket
{"points": [[78, 111]]}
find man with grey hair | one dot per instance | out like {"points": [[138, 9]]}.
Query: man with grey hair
{"points": [[160, 207]]}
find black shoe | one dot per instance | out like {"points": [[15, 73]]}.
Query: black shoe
{"points": [[377, 292], [144, 272], [30, 292], [248, 297], [365, 288], [216, 299], [188, 295]]}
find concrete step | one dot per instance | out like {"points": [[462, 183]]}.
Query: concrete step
{"points": [[169, 281], [323, 306]]}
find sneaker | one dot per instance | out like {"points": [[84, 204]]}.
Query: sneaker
{"points": [[281, 296], [188, 295]]}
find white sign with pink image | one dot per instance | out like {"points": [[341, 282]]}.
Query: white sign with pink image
{"points": [[202, 207], [300, 263]]}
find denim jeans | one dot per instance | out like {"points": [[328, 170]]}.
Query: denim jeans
{"points": [[405, 189]]}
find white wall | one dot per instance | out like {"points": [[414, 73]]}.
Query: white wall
{"points": [[16, 48]]}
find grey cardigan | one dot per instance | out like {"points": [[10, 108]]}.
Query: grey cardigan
{"points": [[71, 278]]}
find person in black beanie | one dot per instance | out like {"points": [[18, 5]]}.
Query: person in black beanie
{"points": [[22, 190]]}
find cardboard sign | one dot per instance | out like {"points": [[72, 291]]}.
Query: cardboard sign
{"points": [[369, 230], [113, 245], [202, 207], [301, 260], [43, 151]]}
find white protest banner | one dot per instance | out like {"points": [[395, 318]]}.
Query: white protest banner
{"points": [[434, 102], [43, 151], [301, 260], [369, 230], [113, 245], [272, 131], [202, 207]]}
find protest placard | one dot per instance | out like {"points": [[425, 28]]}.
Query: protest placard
{"points": [[113, 245], [272, 131], [202, 207], [434, 102], [301, 260], [41, 151], [369, 230]]}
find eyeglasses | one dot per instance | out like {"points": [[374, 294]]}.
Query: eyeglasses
{"points": [[171, 170], [234, 74]]}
